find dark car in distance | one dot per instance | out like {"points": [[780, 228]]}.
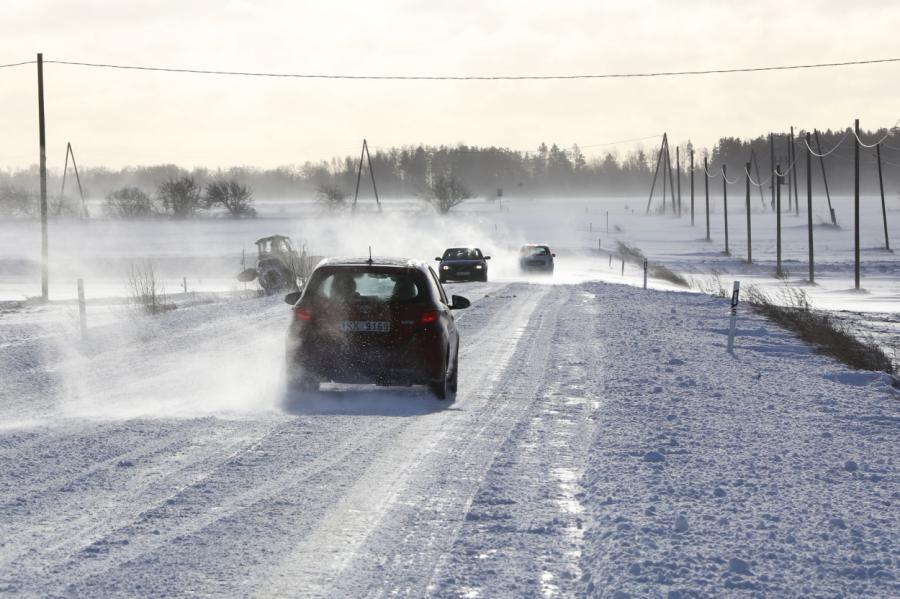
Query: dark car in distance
{"points": [[386, 321], [536, 258], [463, 264]]}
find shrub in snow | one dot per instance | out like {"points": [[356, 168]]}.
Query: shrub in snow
{"points": [[128, 202]]}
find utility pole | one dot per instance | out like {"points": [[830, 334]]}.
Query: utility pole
{"points": [[692, 187], [794, 174], [809, 223], [749, 244], [678, 176], [45, 270], [856, 205], [665, 156], [776, 178], [790, 170], [772, 168], [824, 177], [725, 203], [887, 243], [706, 187], [671, 179]]}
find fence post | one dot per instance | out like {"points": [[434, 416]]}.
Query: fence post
{"points": [[623, 266], [887, 242], [82, 312], [749, 239], [734, 304], [645, 273], [184, 284], [856, 205], [706, 188], [809, 218], [607, 221]]}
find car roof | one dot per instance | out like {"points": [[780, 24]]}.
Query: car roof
{"points": [[373, 261], [536, 245]]}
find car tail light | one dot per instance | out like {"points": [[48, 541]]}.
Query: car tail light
{"points": [[429, 317], [302, 314]]}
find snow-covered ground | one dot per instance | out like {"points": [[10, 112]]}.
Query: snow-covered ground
{"points": [[602, 443]]}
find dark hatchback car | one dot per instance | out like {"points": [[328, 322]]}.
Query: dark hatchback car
{"points": [[384, 321], [463, 264], [536, 258]]}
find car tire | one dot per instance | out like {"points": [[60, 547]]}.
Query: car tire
{"points": [[453, 383], [442, 278], [300, 383], [441, 387]]}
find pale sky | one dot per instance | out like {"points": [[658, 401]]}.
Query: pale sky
{"points": [[117, 118]]}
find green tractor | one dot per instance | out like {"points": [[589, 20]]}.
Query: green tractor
{"points": [[278, 265]]}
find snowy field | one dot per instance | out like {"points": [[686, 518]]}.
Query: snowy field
{"points": [[603, 443]]}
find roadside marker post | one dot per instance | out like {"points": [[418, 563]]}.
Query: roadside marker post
{"points": [[734, 304], [645, 273], [623, 266], [82, 313]]}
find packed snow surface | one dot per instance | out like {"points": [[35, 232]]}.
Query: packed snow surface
{"points": [[602, 443]]}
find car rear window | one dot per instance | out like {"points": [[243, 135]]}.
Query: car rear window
{"points": [[462, 254], [397, 286], [540, 250]]}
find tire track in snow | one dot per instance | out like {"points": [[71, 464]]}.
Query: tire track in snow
{"points": [[392, 528]]}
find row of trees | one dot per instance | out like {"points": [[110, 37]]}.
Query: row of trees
{"points": [[181, 198], [428, 171]]}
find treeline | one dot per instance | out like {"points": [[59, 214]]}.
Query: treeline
{"points": [[548, 171]]}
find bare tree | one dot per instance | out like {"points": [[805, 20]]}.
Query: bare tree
{"points": [[232, 196], [445, 192], [128, 202], [331, 196], [15, 201], [180, 197]]}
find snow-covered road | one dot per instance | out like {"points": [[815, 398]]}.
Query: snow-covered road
{"points": [[163, 458]]}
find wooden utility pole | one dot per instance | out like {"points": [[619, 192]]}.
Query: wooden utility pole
{"points": [[772, 168], [42, 138], [794, 174], [665, 155], [671, 178], [656, 173], [887, 242], [678, 176], [692, 187], [824, 177], [725, 203], [364, 153], [776, 178], [856, 205], [706, 187], [789, 171], [749, 243], [809, 218], [755, 161]]}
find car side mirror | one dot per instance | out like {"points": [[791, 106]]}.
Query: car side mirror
{"points": [[487, 257], [553, 255], [438, 259], [292, 297], [459, 303]]}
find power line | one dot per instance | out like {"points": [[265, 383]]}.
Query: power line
{"points": [[716, 71], [17, 64]]}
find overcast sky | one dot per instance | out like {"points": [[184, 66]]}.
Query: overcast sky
{"points": [[117, 118]]}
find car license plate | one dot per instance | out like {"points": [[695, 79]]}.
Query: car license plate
{"points": [[366, 326], [463, 273]]}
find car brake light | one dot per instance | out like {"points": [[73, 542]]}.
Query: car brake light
{"points": [[429, 317], [302, 314]]}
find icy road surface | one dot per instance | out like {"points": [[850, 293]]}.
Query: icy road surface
{"points": [[602, 442]]}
